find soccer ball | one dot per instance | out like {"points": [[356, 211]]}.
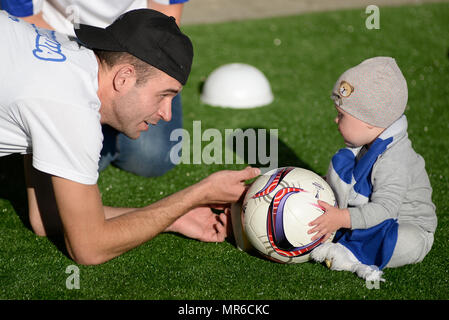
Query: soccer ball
{"points": [[277, 209]]}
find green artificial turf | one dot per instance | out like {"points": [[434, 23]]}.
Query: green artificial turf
{"points": [[302, 56]]}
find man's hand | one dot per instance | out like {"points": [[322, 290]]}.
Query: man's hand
{"points": [[203, 224], [224, 187], [330, 221]]}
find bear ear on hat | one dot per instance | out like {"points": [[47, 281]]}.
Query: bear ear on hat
{"points": [[345, 89], [337, 99]]}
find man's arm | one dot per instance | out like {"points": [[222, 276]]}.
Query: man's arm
{"points": [[42, 210], [38, 20], [171, 10], [174, 10], [93, 239], [28, 10], [200, 223]]}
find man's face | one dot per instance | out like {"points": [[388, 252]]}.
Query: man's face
{"points": [[145, 104]]}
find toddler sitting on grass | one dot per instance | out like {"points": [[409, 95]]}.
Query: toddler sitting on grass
{"points": [[385, 216]]}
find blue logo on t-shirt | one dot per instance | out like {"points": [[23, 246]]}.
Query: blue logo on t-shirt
{"points": [[15, 19], [47, 47]]}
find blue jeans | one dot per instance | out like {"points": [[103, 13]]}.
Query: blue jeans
{"points": [[147, 156]]}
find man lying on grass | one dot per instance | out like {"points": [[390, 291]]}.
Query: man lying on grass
{"points": [[57, 95]]}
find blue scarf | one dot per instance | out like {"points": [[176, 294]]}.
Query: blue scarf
{"points": [[350, 177]]}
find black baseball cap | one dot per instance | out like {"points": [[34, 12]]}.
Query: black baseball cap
{"points": [[146, 34]]}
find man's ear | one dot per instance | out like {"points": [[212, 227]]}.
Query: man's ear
{"points": [[125, 77]]}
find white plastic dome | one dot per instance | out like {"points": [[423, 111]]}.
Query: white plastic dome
{"points": [[237, 85]]}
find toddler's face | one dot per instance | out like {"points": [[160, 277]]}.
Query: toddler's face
{"points": [[355, 132]]}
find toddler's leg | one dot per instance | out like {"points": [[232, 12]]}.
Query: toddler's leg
{"points": [[339, 258], [412, 245]]}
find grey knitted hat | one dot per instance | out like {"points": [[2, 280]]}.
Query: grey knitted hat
{"points": [[375, 91]]}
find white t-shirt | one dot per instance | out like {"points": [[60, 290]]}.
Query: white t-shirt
{"points": [[48, 101], [62, 14]]}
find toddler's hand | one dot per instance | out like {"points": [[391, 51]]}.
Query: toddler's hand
{"points": [[330, 221]]}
